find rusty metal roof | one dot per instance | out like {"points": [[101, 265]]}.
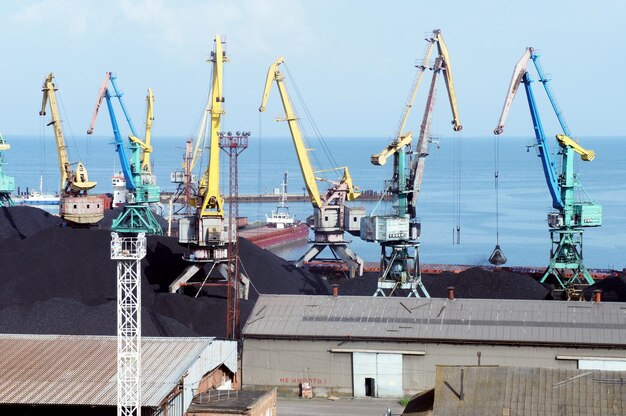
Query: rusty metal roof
{"points": [[474, 390], [81, 370], [494, 320]]}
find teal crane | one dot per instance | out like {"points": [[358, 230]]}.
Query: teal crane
{"points": [[570, 216], [136, 216], [398, 233], [7, 183]]}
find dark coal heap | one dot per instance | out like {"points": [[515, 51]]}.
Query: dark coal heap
{"points": [[61, 280], [476, 283], [613, 289]]}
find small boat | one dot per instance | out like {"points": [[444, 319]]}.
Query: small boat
{"points": [[280, 217], [37, 197]]}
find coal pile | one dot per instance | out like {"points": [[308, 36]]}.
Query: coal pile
{"points": [[613, 289], [23, 221], [473, 283], [61, 280]]}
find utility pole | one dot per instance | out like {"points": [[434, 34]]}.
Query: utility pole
{"points": [[233, 145]]}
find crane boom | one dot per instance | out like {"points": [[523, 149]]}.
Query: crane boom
{"points": [[445, 65], [72, 182], [421, 149], [119, 144], [96, 109], [274, 74], [516, 81], [212, 201]]}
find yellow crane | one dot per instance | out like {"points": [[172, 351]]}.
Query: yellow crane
{"points": [[76, 206], [331, 216], [206, 233], [145, 144]]}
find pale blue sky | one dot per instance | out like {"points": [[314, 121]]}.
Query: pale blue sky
{"points": [[352, 60]]}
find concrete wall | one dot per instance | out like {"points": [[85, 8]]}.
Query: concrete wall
{"points": [[287, 363]]}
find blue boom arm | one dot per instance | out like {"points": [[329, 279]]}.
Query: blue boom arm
{"points": [[544, 151], [119, 144], [119, 95], [546, 86]]}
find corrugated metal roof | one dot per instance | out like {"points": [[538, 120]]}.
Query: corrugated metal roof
{"points": [[528, 391], [494, 320], [81, 370]]}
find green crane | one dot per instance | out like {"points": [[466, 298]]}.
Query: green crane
{"points": [[7, 183]]}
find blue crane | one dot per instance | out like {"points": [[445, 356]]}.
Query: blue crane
{"points": [[570, 216], [136, 216]]}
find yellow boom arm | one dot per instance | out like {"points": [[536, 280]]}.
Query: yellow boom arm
{"points": [[586, 155], [212, 201], [381, 158], [145, 144], [75, 182], [305, 164], [443, 52]]}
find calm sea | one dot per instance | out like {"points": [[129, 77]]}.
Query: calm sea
{"points": [[458, 189]]}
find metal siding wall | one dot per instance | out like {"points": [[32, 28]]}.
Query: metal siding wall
{"points": [[335, 369], [212, 356], [284, 363]]}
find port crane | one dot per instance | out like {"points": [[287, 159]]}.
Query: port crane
{"points": [[136, 215], [7, 183], [569, 217], [206, 234], [331, 216], [398, 233], [76, 206]]}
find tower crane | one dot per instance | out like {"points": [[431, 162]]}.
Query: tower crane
{"points": [[206, 233], [569, 217], [7, 183], [141, 185], [399, 232], [76, 206], [331, 217]]}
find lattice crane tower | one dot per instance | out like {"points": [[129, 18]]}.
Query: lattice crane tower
{"points": [[128, 250]]}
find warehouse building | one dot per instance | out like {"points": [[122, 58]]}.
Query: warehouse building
{"points": [[526, 391], [390, 346], [77, 375]]}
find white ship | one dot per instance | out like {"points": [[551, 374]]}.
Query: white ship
{"points": [[37, 197], [280, 217]]}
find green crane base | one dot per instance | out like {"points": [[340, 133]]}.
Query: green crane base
{"points": [[566, 259], [5, 200], [137, 219]]}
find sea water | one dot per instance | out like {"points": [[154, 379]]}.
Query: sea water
{"points": [[458, 189]]}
